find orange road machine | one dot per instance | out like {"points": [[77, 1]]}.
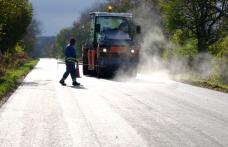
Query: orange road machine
{"points": [[111, 44]]}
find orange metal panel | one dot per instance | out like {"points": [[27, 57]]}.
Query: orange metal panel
{"points": [[118, 49], [91, 59]]}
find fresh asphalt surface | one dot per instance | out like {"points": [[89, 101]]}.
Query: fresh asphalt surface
{"points": [[143, 112]]}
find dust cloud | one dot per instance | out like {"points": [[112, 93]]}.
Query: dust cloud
{"points": [[153, 42]]}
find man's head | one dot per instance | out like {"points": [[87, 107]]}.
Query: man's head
{"points": [[72, 41]]}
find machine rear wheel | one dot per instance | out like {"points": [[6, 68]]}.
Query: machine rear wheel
{"points": [[85, 63]]}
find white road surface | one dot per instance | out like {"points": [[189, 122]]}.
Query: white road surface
{"points": [[145, 112]]}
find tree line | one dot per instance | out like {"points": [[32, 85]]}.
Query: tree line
{"points": [[203, 23]]}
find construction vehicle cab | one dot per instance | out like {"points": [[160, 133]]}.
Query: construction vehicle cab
{"points": [[111, 44]]}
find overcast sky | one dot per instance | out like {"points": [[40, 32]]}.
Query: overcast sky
{"points": [[57, 14]]}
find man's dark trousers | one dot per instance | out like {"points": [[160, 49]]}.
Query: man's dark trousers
{"points": [[70, 69]]}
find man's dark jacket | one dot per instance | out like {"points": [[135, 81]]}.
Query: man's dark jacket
{"points": [[70, 54]]}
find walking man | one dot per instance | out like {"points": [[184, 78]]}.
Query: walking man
{"points": [[70, 59]]}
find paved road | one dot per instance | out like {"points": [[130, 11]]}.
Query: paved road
{"points": [[144, 112]]}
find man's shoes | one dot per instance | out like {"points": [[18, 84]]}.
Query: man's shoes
{"points": [[62, 83], [75, 83]]}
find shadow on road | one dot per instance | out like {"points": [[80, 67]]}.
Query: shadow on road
{"points": [[29, 84], [36, 83], [78, 87]]}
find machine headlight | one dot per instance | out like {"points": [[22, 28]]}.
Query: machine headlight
{"points": [[132, 51], [104, 50]]}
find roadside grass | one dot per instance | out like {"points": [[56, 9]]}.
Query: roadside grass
{"points": [[9, 81], [210, 84], [213, 83]]}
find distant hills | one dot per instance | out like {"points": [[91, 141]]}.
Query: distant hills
{"points": [[45, 47]]}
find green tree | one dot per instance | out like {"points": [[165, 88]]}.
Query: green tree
{"points": [[15, 16], [62, 39], [79, 31], [205, 20]]}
